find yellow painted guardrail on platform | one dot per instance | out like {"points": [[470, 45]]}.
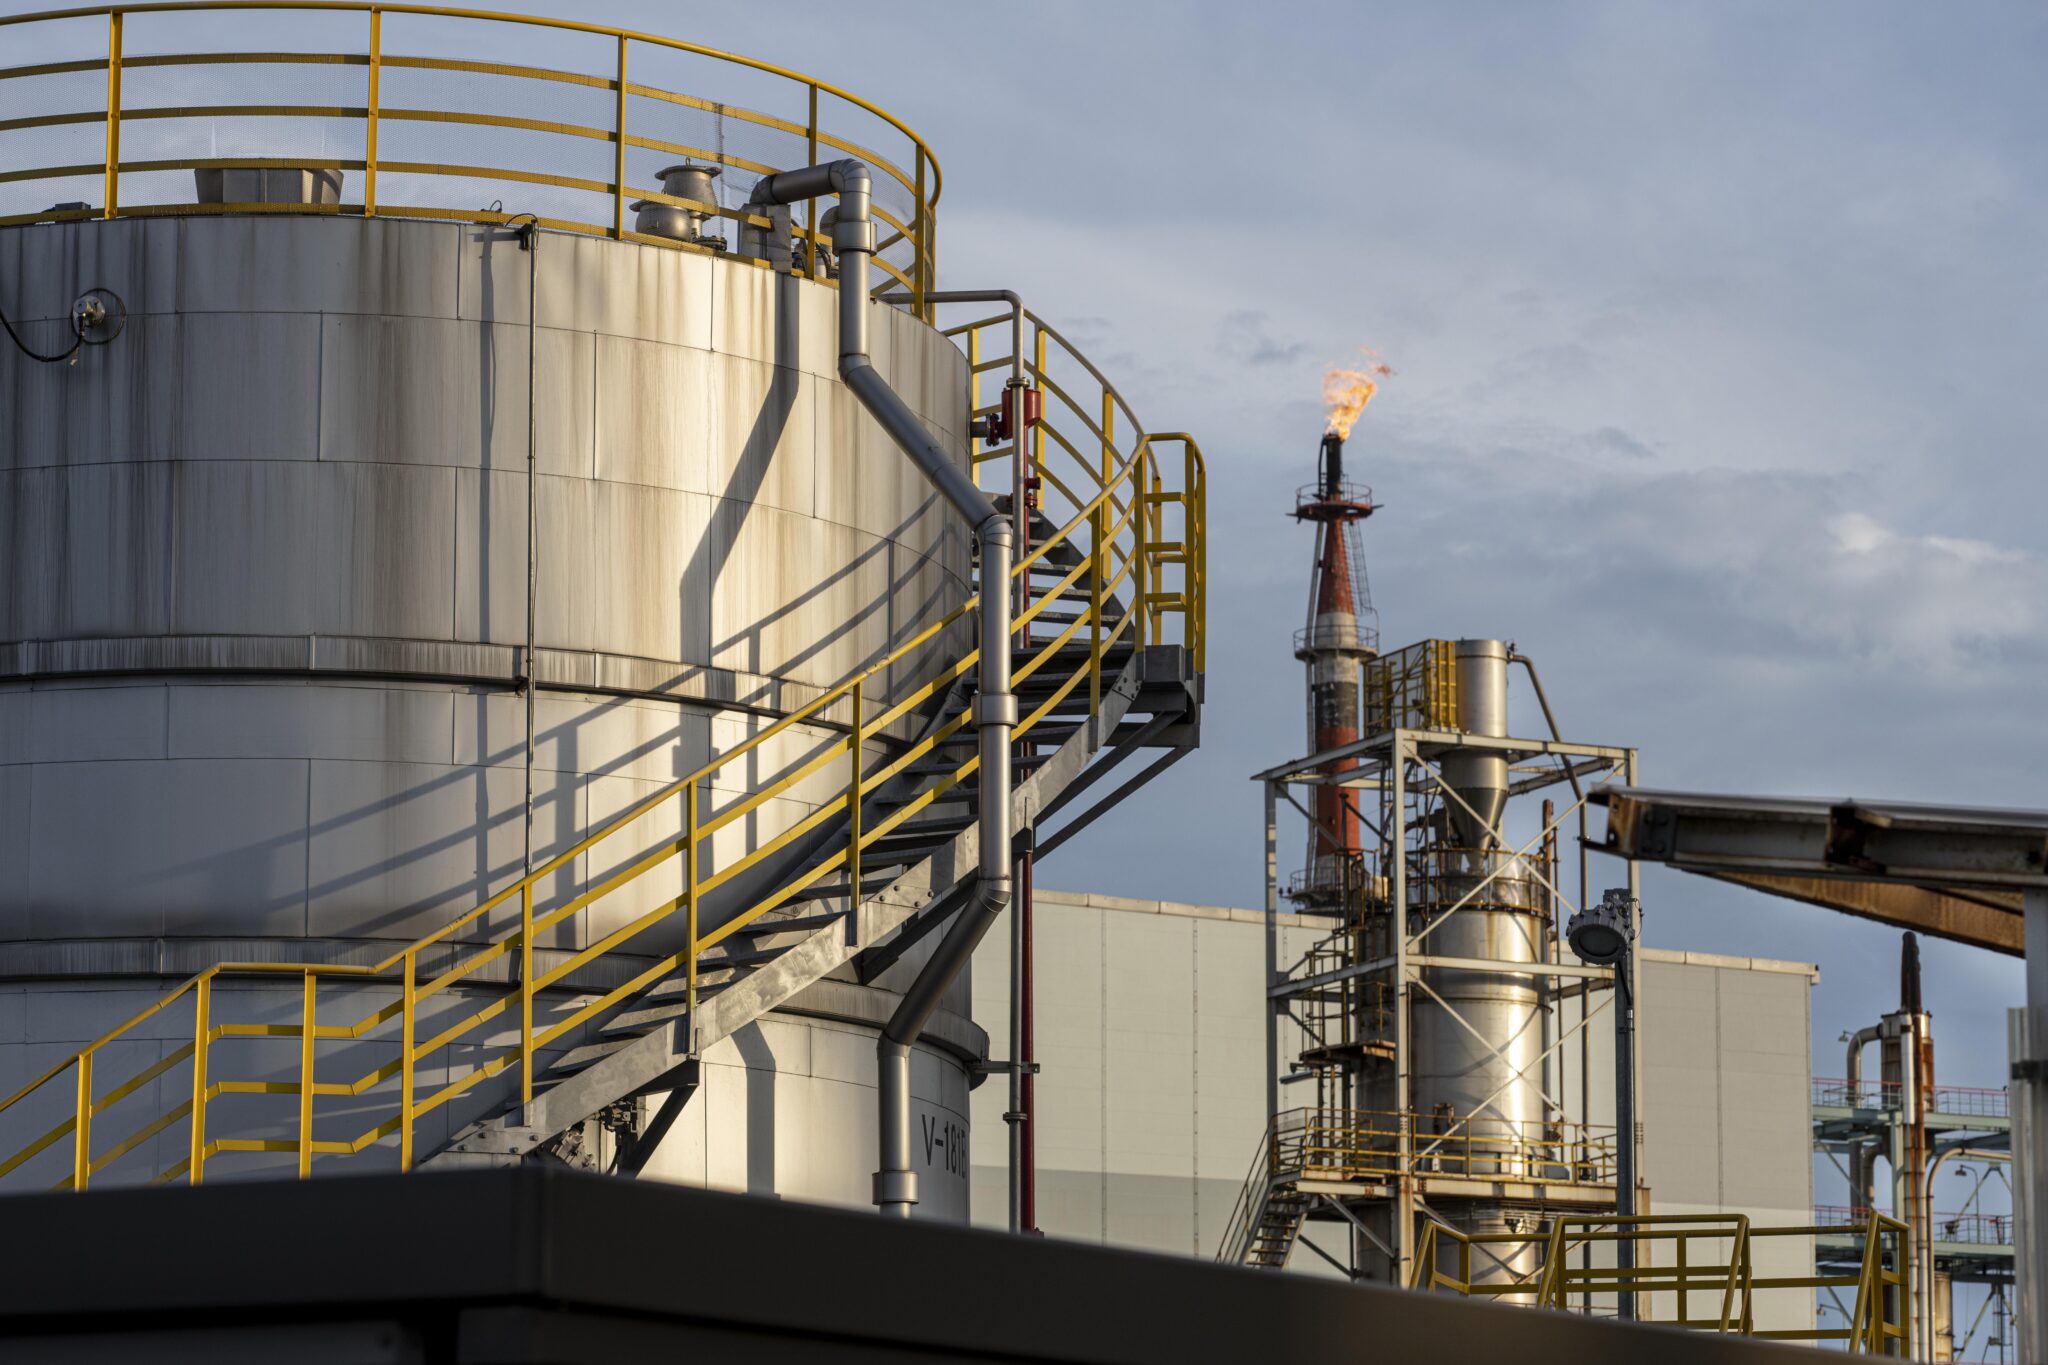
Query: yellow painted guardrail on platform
{"points": [[1679, 1256], [410, 101]]}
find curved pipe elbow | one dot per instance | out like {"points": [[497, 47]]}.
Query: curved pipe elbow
{"points": [[995, 896]]}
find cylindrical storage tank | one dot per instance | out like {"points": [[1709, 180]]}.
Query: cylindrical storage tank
{"points": [[265, 612]]}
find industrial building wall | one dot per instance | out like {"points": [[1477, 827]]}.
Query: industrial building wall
{"points": [[1150, 1033], [1151, 1098]]}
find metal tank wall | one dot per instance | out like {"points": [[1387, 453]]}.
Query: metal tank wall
{"points": [[1455, 1072], [1469, 1050], [264, 565]]}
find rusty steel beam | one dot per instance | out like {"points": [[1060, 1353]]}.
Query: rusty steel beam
{"points": [[1983, 919]]}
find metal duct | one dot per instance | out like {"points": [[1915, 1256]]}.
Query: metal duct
{"points": [[1479, 777]]}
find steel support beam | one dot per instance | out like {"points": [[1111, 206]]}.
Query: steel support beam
{"points": [[1982, 919], [1972, 874]]}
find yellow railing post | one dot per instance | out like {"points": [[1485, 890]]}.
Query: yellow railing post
{"points": [[409, 1001], [113, 113], [1140, 569], [1108, 436], [619, 157], [1195, 545], [1097, 523], [202, 1026], [690, 871], [853, 816], [307, 1033], [370, 118], [811, 204], [81, 1132], [526, 992], [917, 275], [1038, 432], [975, 443]]}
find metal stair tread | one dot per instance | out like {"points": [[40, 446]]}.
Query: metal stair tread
{"points": [[803, 923]]}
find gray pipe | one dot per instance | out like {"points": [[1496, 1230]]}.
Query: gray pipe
{"points": [[995, 705], [1858, 1040], [1529, 665]]}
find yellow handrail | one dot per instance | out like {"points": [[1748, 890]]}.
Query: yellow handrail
{"points": [[922, 181], [1879, 1322], [1117, 554]]}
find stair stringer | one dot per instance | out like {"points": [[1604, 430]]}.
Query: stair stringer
{"points": [[643, 1062]]}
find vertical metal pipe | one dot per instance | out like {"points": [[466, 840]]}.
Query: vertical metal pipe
{"points": [[526, 994], [1027, 1055], [1625, 1120], [619, 154], [1404, 1099], [530, 243], [995, 705], [692, 869], [1272, 953], [2027, 1042]]}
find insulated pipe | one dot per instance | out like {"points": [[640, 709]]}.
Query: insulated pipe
{"points": [[1853, 1071], [995, 705]]}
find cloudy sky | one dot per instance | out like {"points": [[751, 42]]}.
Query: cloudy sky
{"points": [[1715, 329]]}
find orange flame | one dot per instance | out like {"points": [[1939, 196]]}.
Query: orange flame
{"points": [[1346, 392]]}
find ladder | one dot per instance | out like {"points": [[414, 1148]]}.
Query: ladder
{"points": [[562, 1002]]}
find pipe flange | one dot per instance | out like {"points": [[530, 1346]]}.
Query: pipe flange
{"points": [[895, 1187], [854, 234], [996, 709]]}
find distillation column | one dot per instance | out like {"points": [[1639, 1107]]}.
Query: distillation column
{"points": [[1477, 1035]]}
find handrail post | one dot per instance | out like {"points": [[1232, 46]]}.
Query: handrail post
{"points": [[113, 113], [1095, 554], [975, 444], [202, 1026], [1140, 566], [1038, 359], [306, 1036], [81, 1131], [919, 284], [811, 204], [526, 992], [408, 1029], [619, 157], [690, 871], [853, 795], [370, 117]]}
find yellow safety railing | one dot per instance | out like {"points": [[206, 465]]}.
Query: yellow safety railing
{"points": [[1709, 1254], [409, 104], [1366, 1145], [512, 934], [1083, 419]]}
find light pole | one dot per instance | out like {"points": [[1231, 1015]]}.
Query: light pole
{"points": [[1603, 935]]}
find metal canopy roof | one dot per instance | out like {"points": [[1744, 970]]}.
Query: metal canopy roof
{"points": [[1955, 872]]}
